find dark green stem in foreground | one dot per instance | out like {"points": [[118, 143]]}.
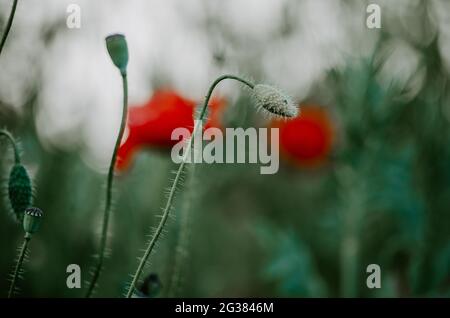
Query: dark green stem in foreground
{"points": [[176, 181], [107, 212], [8, 25], [19, 263], [13, 145]]}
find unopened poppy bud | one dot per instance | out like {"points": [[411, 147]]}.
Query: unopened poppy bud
{"points": [[118, 51], [19, 190], [273, 101], [32, 220]]}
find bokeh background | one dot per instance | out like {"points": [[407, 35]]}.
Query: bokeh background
{"points": [[364, 175]]}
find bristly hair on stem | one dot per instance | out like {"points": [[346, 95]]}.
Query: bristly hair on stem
{"points": [[186, 216], [20, 188], [271, 99], [182, 244], [8, 25], [18, 266], [116, 45], [176, 181], [31, 223]]}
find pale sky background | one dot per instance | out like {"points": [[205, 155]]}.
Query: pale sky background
{"points": [[80, 90]]}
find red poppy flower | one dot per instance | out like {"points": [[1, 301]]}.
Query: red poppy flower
{"points": [[307, 139], [151, 124]]}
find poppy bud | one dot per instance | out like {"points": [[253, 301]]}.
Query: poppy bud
{"points": [[32, 220], [19, 190], [118, 51], [273, 101]]}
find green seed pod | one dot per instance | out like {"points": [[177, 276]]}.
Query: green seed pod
{"points": [[19, 190], [32, 220], [118, 50]]}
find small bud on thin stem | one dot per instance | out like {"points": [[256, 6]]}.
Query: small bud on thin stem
{"points": [[20, 191], [118, 51], [19, 184], [32, 220], [117, 48], [31, 223], [176, 181]]}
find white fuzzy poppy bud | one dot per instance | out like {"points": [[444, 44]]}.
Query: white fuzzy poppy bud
{"points": [[273, 101]]}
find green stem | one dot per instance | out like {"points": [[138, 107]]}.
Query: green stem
{"points": [[174, 186], [19, 263], [181, 249], [13, 144], [8, 25], [107, 212]]}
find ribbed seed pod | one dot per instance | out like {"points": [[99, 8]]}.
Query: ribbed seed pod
{"points": [[19, 190], [118, 51], [32, 220]]}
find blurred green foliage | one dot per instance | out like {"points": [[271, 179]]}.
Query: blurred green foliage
{"points": [[382, 198]]}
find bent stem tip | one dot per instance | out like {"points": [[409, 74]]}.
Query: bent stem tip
{"points": [[176, 181]]}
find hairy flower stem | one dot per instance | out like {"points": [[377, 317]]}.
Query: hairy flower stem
{"points": [[13, 145], [107, 212], [19, 263], [176, 181], [8, 25], [182, 245]]}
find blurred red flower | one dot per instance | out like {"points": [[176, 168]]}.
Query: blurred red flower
{"points": [[151, 124], [307, 139]]}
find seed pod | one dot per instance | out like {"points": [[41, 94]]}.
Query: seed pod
{"points": [[19, 190], [118, 51], [32, 220], [273, 101]]}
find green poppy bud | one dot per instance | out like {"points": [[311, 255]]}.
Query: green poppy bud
{"points": [[118, 50], [32, 220], [274, 102], [19, 190]]}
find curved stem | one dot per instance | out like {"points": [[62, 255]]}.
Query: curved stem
{"points": [[13, 144], [19, 263], [213, 86], [107, 212], [174, 186], [8, 25]]}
